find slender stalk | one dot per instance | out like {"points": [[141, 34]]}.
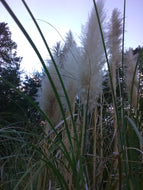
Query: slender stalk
{"points": [[101, 126], [123, 39], [94, 147], [84, 130], [120, 172], [122, 75], [134, 75], [101, 136]]}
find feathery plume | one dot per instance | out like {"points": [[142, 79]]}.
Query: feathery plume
{"points": [[114, 44], [47, 99], [93, 59], [67, 59], [71, 67]]}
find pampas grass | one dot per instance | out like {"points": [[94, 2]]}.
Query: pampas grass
{"points": [[68, 61], [47, 99], [114, 44], [92, 60], [86, 146]]}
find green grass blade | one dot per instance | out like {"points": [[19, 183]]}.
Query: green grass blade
{"points": [[23, 176], [42, 62], [138, 61], [58, 73], [109, 71], [106, 56], [46, 70], [65, 93], [135, 129]]}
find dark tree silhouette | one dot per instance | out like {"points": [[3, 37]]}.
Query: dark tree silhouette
{"points": [[9, 70]]}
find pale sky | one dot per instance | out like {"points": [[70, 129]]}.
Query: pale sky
{"points": [[65, 15]]}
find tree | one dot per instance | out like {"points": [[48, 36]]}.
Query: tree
{"points": [[9, 70], [30, 87], [15, 111]]}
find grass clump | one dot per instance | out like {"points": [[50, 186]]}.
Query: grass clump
{"points": [[92, 138]]}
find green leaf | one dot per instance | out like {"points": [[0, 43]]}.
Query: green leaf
{"points": [[135, 129]]}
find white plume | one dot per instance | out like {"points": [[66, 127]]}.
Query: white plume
{"points": [[93, 58]]}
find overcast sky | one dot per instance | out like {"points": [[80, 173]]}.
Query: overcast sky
{"points": [[65, 15]]}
